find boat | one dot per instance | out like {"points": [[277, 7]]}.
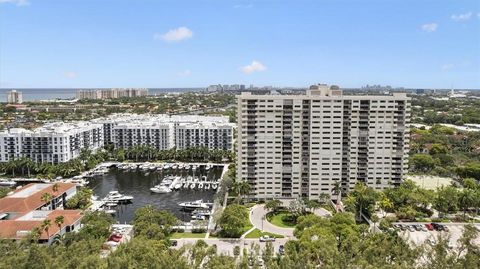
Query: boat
{"points": [[160, 189], [198, 217], [185, 185], [207, 167], [80, 182], [207, 186], [202, 212], [200, 185], [214, 186], [194, 205], [204, 178], [109, 210], [174, 166], [118, 197], [7, 183], [111, 204], [177, 186], [192, 186]]}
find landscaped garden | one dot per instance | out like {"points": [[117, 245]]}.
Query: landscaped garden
{"points": [[282, 219]]}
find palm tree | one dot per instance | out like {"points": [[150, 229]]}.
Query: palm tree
{"points": [[337, 189], [243, 188], [46, 198], [59, 221], [46, 224], [55, 187]]}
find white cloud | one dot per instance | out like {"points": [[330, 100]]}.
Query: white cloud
{"points": [[447, 66], [16, 2], [184, 73], [174, 35], [429, 27], [70, 74], [243, 6], [462, 17], [255, 66]]}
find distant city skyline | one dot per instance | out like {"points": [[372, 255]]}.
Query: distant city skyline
{"points": [[190, 44]]}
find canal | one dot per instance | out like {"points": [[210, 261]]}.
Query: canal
{"points": [[138, 184]]}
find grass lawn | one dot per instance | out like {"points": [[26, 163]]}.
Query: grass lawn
{"points": [[257, 234], [187, 235], [277, 220]]}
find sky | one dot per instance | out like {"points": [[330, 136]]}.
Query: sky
{"points": [[162, 44]]}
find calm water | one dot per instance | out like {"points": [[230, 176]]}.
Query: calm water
{"points": [[50, 94], [138, 184]]}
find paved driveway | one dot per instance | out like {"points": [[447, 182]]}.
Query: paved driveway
{"points": [[259, 221]]}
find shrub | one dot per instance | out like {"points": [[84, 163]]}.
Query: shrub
{"points": [[198, 230]]}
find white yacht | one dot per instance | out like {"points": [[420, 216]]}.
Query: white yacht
{"points": [[200, 185], [207, 186], [214, 186], [160, 189], [192, 186], [199, 204], [177, 186], [115, 196]]}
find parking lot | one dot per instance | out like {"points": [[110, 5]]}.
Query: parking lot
{"points": [[454, 232]]}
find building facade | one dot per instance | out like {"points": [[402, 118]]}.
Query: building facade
{"points": [[53, 143], [167, 132], [14, 97], [303, 145], [110, 93]]}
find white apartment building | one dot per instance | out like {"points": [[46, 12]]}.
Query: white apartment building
{"points": [[14, 97], [165, 132], [301, 145], [53, 143], [110, 93]]}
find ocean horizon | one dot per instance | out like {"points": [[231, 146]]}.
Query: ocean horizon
{"points": [[38, 94]]}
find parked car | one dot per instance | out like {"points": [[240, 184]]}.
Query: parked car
{"points": [[174, 243], [445, 228], [281, 249], [403, 227], [266, 238], [429, 226], [411, 228], [423, 228], [417, 227]]}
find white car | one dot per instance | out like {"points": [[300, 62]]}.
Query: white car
{"points": [[266, 238]]}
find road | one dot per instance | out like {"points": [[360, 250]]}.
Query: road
{"points": [[226, 246], [259, 221]]}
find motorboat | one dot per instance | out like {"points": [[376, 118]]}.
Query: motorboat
{"points": [[200, 185], [7, 183], [198, 217], [214, 186], [118, 197], [177, 186], [207, 186], [202, 212], [207, 167], [186, 184], [192, 186], [160, 189], [204, 178], [195, 205]]}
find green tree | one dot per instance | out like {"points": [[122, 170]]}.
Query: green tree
{"points": [[233, 220], [273, 205]]}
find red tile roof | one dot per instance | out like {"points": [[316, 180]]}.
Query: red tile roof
{"points": [[9, 228], [32, 202]]}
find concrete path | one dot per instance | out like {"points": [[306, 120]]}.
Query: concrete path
{"points": [[247, 232], [257, 216]]}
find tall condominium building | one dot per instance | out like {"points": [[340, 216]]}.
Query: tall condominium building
{"points": [[14, 97], [54, 142], [302, 145], [111, 93]]}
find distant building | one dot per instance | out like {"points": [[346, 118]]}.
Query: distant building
{"points": [[303, 145], [14, 97], [111, 93], [24, 210]]}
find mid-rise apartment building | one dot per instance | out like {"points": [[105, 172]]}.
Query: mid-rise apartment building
{"points": [[111, 93], [53, 143], [302, 145], [14, 97], [60, 142]]}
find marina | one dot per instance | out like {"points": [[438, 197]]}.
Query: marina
{"points": [[186, 190]]}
